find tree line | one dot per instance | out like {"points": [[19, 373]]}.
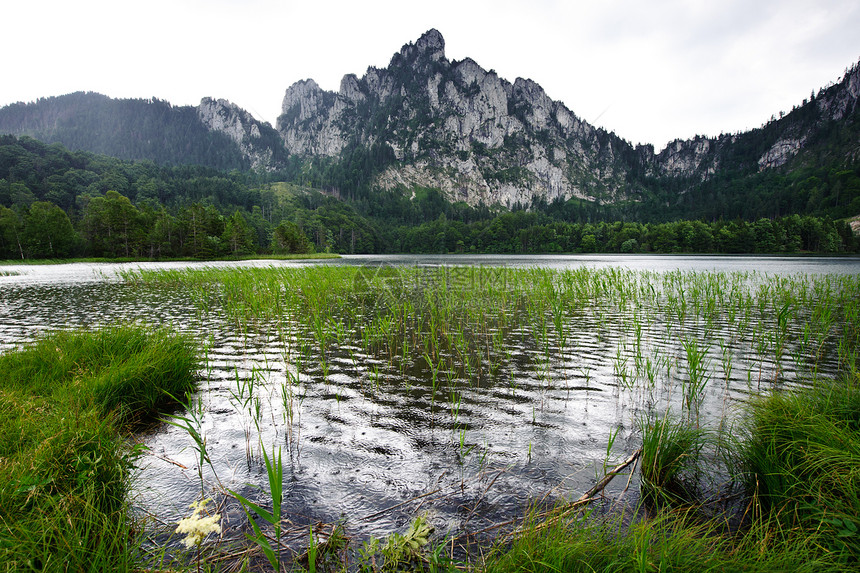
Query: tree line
{"points": [[528, 232], [55, 203]]}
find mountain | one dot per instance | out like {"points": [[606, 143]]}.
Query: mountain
{"points": [[459, 128], [427, 122], [214, 134], [455, 126]]}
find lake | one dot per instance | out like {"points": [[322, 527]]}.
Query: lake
{"points": [[399, 385]]}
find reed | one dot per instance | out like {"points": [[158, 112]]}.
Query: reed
{"points": [[462, 331], [670, 458], [275, 475], [697, 377]]}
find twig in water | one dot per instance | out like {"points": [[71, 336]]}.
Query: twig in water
{"points": [[598, 487]]}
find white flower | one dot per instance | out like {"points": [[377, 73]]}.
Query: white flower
{"points": [[196, 527]]}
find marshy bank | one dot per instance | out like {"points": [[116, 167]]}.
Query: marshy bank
{"points": [[464, 396], [69, 403]]}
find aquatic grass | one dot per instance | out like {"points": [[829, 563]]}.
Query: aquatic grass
{"points": [[275, 475], [542, 330], [697, 377], [191, 422], [670, 458], [800, 454]]}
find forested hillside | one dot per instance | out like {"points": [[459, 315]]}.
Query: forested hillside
{"points": [[56, 203], [426, 155], [426, 122], [125, 128]]}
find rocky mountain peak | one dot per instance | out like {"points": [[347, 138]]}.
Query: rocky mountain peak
{"points": [[430, 46], [257, 141], [305, 94], [431, 42], [454, 126]]}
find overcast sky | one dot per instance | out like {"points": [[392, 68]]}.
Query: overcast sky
{"points": [[651, 71]]}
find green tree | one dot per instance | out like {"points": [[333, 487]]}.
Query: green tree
{"points": [[662, 238], [630, 246], [11, 245], [48, 232], [588, 244], [21, 196], [203, 229], [238, 236], [289, 238], [766, 236], [112, 226], [702, 240], [164, 237]]}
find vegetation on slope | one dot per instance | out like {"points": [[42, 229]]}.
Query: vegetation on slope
{"points": [[59, 204]]}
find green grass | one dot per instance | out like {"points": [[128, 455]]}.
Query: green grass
{"points": [[800, 461], [66, 404], [797, 455], [669, 464], [670, 541]]}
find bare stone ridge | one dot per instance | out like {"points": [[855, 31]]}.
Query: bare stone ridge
{"points": [[480, 138], [431, 41]]}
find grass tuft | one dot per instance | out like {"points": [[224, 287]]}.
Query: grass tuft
{"points": [[66, 402], [670, 458], [802, 461]]}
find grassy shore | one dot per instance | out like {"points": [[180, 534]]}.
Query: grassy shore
{"points": [[67, 405], [270, 257], [797, 461]]}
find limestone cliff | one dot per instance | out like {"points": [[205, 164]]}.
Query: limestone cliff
{"points": [[455, 126], [257, 141], [424, 120]]}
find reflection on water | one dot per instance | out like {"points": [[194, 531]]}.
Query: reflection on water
{"points": [[375, 433]]}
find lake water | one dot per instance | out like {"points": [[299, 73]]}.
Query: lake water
{"points": [[370, 446]]}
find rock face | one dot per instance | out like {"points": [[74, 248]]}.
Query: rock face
{"points": [[480, 138], [256, 140], [457, 127]]}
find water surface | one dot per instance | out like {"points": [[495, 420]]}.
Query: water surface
{"points": [[365, 438]]}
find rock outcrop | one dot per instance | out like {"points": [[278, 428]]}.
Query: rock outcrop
{"points": [[257, 140], [426, 121], [457, 127], [481, 139]]}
